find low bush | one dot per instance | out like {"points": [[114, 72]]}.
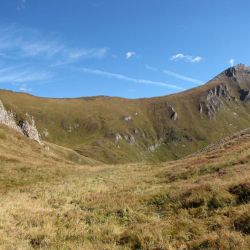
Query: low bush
{"points": [[242, 191]]}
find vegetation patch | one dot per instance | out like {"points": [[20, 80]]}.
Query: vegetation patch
{"points": [[242, 191], [220, 200], [242, 223], [130, 240]]}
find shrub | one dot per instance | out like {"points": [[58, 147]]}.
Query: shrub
{"points": [[242, 191], [130, 240], [193, 202], [242, 223], [220, 200]]}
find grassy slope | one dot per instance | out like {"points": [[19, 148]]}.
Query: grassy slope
{"points": [[200, 202], [17, 149]]}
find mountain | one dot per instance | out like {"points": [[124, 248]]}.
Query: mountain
{"points": [[118, 130], [56, 196]]}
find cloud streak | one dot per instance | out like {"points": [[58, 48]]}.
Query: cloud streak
{"points": [[127, 78], [28, 43], [186, 58], [22, 75], [175, 75], [182, 77], [24, 88]]}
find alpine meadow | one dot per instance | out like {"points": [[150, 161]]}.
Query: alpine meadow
{"points": [[124, 125]]}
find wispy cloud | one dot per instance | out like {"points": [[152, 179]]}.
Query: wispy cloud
{"points": [[24, 88], [175, 75], [186, 58], [28, 43], [22, 75], [231, 62], [73, 55], [130, 54], [182, 77], [127, 78], [27, 55]]}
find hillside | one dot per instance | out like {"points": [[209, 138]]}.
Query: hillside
{"points": [[199, 202], [16, 149], [116, 130]]}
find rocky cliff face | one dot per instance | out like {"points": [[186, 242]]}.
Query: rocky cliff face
{"points": [[236, 89], [29, 129], [8, 118], [26, 127], [214, 100], [238, 72]]}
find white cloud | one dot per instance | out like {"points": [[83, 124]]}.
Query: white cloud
{"points": [[196, 59], [127, 78], [186, 58], [182, 77], [130, 54], [232, 62]]}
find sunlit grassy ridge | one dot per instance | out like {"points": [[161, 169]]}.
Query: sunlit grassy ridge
{"points": [[199, 202]]}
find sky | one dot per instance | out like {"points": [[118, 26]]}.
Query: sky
{"points": [[132, 48]]}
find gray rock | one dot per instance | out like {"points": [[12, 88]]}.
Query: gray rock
{"points": [[214, 100], [24, 127], [118, 138], [8, 118], [127, 118], [130, 139], [30, 130], [173, 113], [45, 132], [136, 131], [153, 148]]}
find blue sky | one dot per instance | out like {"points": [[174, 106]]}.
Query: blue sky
{"points": [[132, 48]]}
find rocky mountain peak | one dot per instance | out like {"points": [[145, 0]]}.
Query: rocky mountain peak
{"points": [[237, 70]]}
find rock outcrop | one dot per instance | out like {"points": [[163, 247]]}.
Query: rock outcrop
{"points": [[118, 138], [30, 130], [26, 127], [127, 118], [173, 113], [129, 138], [214, 100], [8, 118], [238, 72]]}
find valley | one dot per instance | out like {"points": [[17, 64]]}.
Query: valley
{"points": [[163, 173]]}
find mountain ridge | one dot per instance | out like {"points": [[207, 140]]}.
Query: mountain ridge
{"points": [[120, 130]]}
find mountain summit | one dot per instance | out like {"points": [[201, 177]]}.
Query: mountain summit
{"points": [[117, 130]]}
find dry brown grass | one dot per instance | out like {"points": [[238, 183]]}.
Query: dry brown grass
{"points": [[194, 203]]}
